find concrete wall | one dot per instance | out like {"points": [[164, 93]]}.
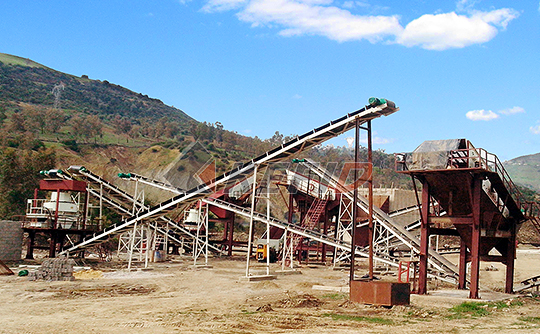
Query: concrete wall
{"points": [[11, 236], [399, 199]]}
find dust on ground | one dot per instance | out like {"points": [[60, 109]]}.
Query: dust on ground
{"points": [[175, 298]]}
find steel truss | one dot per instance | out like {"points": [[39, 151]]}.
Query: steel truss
{"points": [[129, 206], [242, 171]]}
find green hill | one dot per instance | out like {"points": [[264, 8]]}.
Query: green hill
{"points": [[53, 119], [14, 60], [525, 170], [25, 81]]}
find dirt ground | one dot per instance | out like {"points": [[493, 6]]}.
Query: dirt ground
{"points": [[174, 298]]}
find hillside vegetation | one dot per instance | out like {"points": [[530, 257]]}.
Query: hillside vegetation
{"points": [[525, 170], [52, 119]]}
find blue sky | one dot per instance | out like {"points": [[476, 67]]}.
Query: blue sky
{"points": [[457, 69]]}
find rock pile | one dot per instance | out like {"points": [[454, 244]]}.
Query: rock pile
{"points": [[58, 269]]}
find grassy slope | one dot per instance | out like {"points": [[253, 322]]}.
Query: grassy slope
{"points": [[525, 170], [25, 81], [15, 60]]}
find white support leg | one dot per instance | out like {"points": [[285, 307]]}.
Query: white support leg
{"points": [[251, 218], [131, 246], [268, 225], [284, 251]]}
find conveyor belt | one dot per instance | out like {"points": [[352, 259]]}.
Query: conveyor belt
{"points": [[122, 202], [280, 153], [151, 182]]}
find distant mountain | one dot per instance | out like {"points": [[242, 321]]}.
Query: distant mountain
{"points": [[525, 170], [25, 81]]}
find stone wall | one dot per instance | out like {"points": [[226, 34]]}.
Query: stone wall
{"points": [[11, 236]]}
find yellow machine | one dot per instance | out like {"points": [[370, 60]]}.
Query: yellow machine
{"points": [[262, 253]]}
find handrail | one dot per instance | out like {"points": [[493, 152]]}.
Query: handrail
{"points": [[490, 162]]}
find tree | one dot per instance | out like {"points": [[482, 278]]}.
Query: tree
{"points": [[54, 119], [87, 127], [277, 139], [121, 125], [219, 131], [2, 114], [171, 130], [19, 176], [35, 119], [95, 126], [16, 123], [79, 127]]}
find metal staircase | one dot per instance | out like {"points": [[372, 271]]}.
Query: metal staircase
{"points": [[313, 215], [532, 213]]}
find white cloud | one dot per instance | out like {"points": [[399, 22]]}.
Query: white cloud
{"points": [[382, 141], [348, 4], [535, 129], [499, 17], [465, 5], [222, 5], [450, 30], [297, 96], [316, 2], [298, 18], [353, 4], [319, 17], [481, 115], [513, 110]]}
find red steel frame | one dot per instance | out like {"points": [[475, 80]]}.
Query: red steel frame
{"points": [[57, 235], [478, 230]]}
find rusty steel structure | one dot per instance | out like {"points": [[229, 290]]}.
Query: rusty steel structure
{"points": [[467, 193], [61, 218]]}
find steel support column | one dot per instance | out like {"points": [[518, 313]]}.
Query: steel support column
{"points": [[475, 236], [462, 265], [52, 244], [230, 237], [424, 241], [325, 231], [510, 256], [355, 199], [31, 243], [370, 200], [251, 222]]}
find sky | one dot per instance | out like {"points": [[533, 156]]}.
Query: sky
{"points": [[457, 69]]}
